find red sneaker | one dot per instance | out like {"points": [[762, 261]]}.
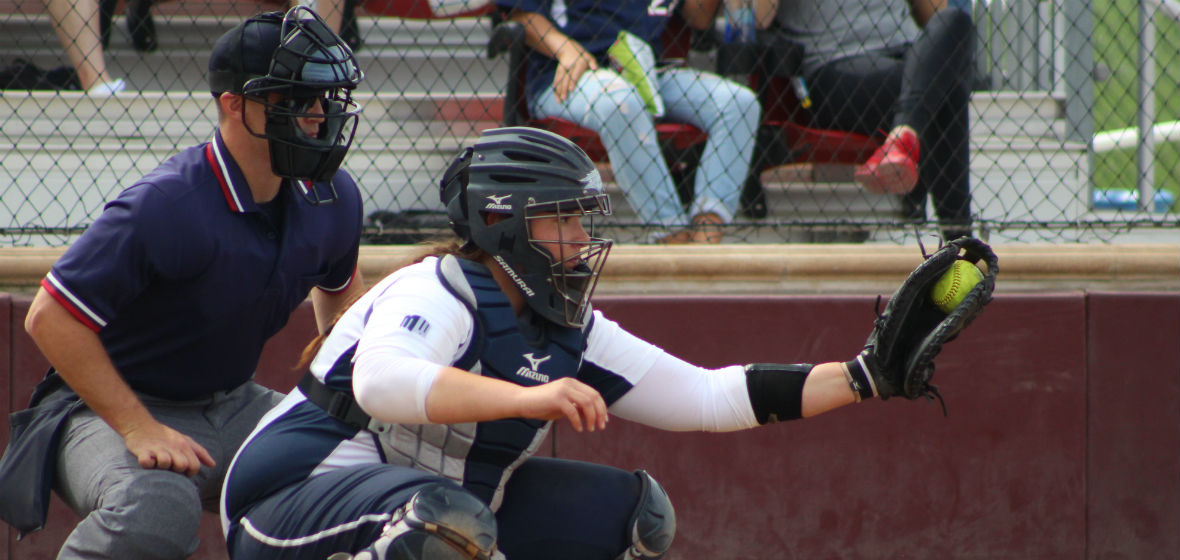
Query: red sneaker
{"points": [[893, 168]]}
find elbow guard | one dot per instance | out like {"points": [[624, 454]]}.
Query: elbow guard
{"points": [[776, 390]]}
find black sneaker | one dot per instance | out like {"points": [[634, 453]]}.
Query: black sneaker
{"points": [[106, 11], [349, 30], [141, 26], [753, 198]]}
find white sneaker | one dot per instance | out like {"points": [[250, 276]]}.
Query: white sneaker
{"points": [[107, 89]]}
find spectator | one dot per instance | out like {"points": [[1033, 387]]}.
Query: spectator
{"points": [[22, 74], [156, 316], [139, 23], [76, 23], [412, 435], [142, 28], [887, 66], [333, 12], [569, 77]]}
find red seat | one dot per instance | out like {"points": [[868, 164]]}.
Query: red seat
{"points": [[674, 136], [783, 110], [422, 9], [786, 134]]}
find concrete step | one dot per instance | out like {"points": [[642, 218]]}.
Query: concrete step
{"points": [[463, 37], [1010, 114], [165, 120], [410, 56], [398, 55], [999, 120], [71, 153]]}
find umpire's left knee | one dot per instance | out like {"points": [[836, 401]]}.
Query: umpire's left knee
{"points": [[161, 516]]}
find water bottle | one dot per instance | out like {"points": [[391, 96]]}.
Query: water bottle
{"points": [[739, 21]]}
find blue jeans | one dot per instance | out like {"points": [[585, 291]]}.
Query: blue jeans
{"points": [[728, 112]]}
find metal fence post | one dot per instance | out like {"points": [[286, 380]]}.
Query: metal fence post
{"points": [[1079, 78], [1145, 150]]}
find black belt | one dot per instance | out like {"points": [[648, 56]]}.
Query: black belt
{"points": [[338, 404]]}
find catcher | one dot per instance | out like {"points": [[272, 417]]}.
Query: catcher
{"points": [[412, 434]]}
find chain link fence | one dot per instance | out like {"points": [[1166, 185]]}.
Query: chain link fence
{"points": [[1074, 119]]}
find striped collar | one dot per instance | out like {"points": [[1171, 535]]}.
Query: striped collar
{"points": [[233, 184], [229, 176]]}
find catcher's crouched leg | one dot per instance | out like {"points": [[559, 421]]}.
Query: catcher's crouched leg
{"points": [[653, 523], [440, 522]]}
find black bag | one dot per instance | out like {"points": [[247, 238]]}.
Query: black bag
{"points": [[30, 463], [22, 74]]}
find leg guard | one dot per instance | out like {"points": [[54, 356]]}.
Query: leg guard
{"points": [[653, 524], [440, 522]]}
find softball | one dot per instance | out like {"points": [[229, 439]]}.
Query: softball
{"points": [[950, 290]]}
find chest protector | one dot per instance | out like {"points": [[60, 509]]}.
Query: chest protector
{"points": [[481, 456]]}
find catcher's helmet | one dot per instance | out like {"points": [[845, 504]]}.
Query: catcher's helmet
{"points": [[296, 56], [524, 174]]}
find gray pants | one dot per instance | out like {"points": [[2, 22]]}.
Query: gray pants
{"points": [[132, 512]]}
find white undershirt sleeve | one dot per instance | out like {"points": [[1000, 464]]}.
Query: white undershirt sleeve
{"points": [[415, 328], [667, 392]]}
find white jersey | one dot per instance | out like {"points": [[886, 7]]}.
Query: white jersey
{"points": [[389, 347]]}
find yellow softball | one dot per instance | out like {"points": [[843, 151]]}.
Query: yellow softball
{"points": [[950, 290]]}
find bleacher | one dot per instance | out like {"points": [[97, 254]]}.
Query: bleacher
{"points": [[430, 88]]}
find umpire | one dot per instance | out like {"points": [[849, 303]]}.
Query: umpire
{"points": [[156, 316]]}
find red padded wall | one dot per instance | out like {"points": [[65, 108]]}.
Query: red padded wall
{"points": [[6, 396], [276, 367], [5, 390], [1001, 476], [28, 367], [1133, 508], [1026, 465]]}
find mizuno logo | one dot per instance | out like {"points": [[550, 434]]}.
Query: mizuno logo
{"points": [[593, 182], [535, 362], [531, 371], [534, 375], [496, 202]]}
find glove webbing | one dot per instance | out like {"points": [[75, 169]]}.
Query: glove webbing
{"points": [[859, 379]]}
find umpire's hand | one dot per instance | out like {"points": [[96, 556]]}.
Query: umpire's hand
{"points": [[159, 447]]}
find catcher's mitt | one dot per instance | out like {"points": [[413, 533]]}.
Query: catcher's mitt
{"points": [[899, 354]]}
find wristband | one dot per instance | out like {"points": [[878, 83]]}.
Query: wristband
{"points": [[859, 379]]}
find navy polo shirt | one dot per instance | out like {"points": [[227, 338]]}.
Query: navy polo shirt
{"points": [[596, 25], [184, 278]]}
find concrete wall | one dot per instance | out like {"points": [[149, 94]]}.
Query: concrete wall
{"points": [[1062, 439]]}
